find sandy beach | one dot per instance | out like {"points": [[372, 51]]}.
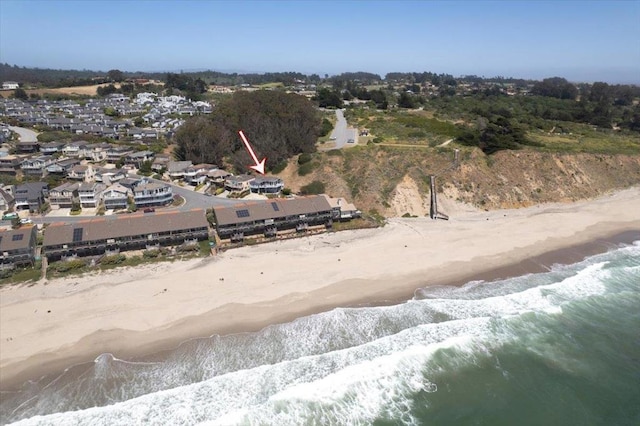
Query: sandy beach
{"points": [[131, 312]]}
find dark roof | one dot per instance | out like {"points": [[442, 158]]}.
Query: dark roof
{"points": [[270, 209], [16, 239], [30, 190], [123, 225]]}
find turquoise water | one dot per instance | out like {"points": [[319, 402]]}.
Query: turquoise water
{"points": [[556, 348]]}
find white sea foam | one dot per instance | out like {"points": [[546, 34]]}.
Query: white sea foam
{"points": [[370, 370]]}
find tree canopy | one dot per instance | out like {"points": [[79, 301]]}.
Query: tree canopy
{"points": [[278, 125], [555, 87]]}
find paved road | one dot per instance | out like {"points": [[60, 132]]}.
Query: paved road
{"points": [[341, 134], [26, 135]]}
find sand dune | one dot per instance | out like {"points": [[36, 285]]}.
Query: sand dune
{"points": [[140, 310]]}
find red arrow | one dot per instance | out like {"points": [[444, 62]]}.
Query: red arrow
{"points": [[258, 166]]}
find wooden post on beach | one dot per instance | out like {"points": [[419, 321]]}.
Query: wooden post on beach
{"points": [[433, 211]]}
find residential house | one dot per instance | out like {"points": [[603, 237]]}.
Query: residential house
{"points": [[176, 169], [198, 173], [62, 167], [7, 200], [117, 153], [64, 195], [95, 153], [9, 164], [160, 162], [116, 196], [266, 185], [89, 194], [30, 196], [75, 149], [10, 85], [109, 176], [148, 194], [137, 158], [81, 172], [51, 148], [132, 182], [138, 133], [239, 183], [18, 247], [218, 176], [36, 166], [112, 234], [27, 147]]}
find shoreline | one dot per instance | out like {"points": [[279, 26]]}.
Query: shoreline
{"points": [[348, 271]]}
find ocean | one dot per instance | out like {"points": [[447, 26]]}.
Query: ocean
{"points": [[560, 347]]}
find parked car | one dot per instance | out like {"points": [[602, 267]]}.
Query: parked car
{"points": [[351, 141], [25, 221]]}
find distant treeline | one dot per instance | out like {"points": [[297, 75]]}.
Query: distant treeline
{"points": [[64, 78]]}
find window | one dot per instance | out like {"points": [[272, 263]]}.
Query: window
{"points": [[77, 234], [17, 237], [242, 213]]}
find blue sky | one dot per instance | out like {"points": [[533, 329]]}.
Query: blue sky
{"points": [[579, 40]]}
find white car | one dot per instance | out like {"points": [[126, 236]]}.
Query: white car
{"points": [[25, 221]]}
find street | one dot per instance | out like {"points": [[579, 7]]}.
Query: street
{"points": [[341, 134]]}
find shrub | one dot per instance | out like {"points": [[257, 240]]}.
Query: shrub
{"points": [[286, 191], [325, 127], [150, 254], [304, 158], [314, 188], [115, 259], [305, 169], [68, 265]]}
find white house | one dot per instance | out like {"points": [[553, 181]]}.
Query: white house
{"points": [[10, 85]]}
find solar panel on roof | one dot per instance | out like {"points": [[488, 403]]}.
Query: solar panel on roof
{"points": [[77, 234], [275, 206], [242, 213], [17, 237]]}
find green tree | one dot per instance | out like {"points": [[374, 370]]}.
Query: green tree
{"points": [[277, 124], [20, 93], [328, 98], [145, 168], [115, 75], [406, 100]]}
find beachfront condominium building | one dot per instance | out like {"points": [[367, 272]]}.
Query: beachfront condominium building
{"points": [[112, 234], [18, 247], [268, 217]]}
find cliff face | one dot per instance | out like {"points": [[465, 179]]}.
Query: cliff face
{"points": [[396, 182]]}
